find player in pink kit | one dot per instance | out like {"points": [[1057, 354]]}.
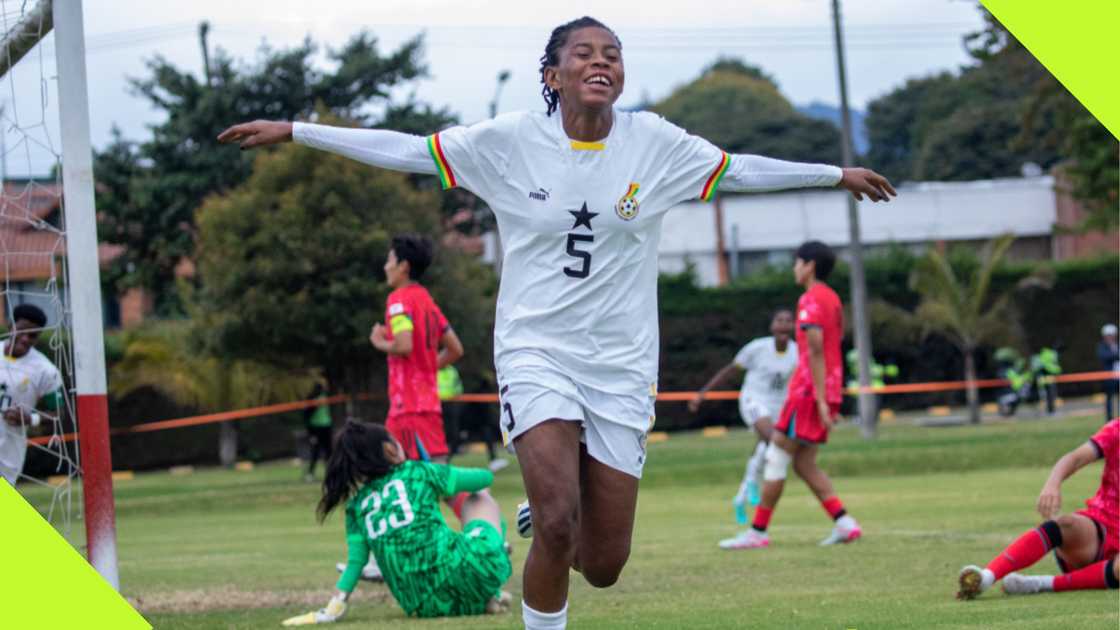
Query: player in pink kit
{"points": [[812, 403], [418, 341], [1085, 543]]}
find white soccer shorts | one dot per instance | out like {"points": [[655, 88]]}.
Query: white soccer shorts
{"points": [[614, 425], [751, 410]]}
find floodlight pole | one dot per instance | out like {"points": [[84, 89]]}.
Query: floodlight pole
{"points": [[867, 412], [84, 283]]}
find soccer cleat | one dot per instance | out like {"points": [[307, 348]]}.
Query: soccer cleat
{"points": [[371, 572], [754, 493], [973, 580], [524, 520], [750, 539], [1019, 584], [846, 530]]}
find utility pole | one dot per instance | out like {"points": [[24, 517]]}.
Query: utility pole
{"points": [[868, 415], [203, 31], [503, 76]]}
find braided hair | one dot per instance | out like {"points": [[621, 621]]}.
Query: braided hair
{"points": [[551, 56]]}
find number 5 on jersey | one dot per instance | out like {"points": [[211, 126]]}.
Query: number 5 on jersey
{"points": [[585, 257]]}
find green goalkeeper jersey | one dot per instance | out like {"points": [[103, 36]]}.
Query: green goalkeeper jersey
{"points": [[398, 518]]}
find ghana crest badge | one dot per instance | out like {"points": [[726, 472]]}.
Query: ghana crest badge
{"points": [[627, 207]]}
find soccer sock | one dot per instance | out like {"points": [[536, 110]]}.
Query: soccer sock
{"points": [[536, 620], [762, 516], [834, 507], [1094, 576], [756, 462], [1027, 549], [456, 504]]}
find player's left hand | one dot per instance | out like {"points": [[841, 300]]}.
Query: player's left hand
{"points": [[825, 414], [334, 611], [864, 181]]}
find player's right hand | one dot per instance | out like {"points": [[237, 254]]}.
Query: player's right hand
{"points": [[334, 611], [694, 404], [825, 413], [258, 133], [1049, 502]]}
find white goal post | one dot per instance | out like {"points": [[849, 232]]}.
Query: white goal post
{"points": [[83, 306]]}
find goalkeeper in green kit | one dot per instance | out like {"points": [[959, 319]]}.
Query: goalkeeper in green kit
{"points": [[392, 509]]}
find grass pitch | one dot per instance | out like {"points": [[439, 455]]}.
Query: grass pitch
{"points": [[232, 549]]}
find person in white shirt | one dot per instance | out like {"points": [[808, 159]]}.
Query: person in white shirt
{"points": [[579, 200], [29, 382], [769, 362]]}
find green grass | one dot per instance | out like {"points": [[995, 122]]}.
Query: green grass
{"points": [[226, 549]]}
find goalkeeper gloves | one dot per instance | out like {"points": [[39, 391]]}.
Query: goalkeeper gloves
{"points": [[334, 611]]}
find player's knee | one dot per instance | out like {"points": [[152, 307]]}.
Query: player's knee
{"points": [[777, 463], [1067, 525], [556, 530], [1053, 530], [603, 571]]}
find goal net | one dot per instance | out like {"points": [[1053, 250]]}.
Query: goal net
{"points": [[49, 259]]}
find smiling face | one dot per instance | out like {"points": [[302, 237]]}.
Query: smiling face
{"points": [[590, 75], [25, 334]]}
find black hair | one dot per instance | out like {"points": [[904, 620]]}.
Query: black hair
{"points": [[31, 313], [819, 253], [416, 249], [551, 56], [358, 456], [779, 311]]}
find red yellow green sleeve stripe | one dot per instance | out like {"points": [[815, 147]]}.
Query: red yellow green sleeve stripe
{"points": [[446, 175], [713, 180]]}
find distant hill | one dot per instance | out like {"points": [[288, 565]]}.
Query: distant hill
{"points": [[830, 113]]}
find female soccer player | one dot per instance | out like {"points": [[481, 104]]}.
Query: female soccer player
{"points": [[769, 362], [392, 509], [579, 199], [1085, 544]]}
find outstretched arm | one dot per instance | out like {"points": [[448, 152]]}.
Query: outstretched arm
{"points": [[377, 147], [1050, 499], [754, 173], [717, 378]]}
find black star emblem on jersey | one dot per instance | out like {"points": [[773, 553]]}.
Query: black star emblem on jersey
{"points": [[583, 217]]}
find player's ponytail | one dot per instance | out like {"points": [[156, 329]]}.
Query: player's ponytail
{"points": [[551, 56], [358, 456]]}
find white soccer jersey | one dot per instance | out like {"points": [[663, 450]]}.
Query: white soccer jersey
{"points": [[579, 224], [23, 382], [768, 372]]}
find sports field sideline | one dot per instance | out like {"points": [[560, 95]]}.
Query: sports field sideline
{"points": [[234, 549]]}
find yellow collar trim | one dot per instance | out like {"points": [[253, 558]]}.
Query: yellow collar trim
{"points": [[578, 145]]}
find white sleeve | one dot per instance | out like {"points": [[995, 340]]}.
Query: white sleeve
{"points": [[377, 147], [743, 357], [50, 381], [754, 173], [699, 168]]}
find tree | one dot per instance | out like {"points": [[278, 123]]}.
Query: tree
{"points": [[148, 191], [166, 357], [739, 108], [963, 308], [290, 266]]}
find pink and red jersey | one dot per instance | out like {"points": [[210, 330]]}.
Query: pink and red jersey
{"points": [[1106, 502], [412, 377], [820, 307]]}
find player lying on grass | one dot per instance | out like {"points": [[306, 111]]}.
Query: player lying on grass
{"points": [[392, 510], [1085, 543], [769, 362]]}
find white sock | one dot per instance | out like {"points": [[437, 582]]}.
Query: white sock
{"points": [[846, 522], [987, 578], [754, 466], [536, 620]]}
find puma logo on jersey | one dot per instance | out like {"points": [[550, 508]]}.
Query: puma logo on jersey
{"points": [[539, 194]]}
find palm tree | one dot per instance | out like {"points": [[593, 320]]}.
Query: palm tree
{"points": [[160, 356], [964, 310]]}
